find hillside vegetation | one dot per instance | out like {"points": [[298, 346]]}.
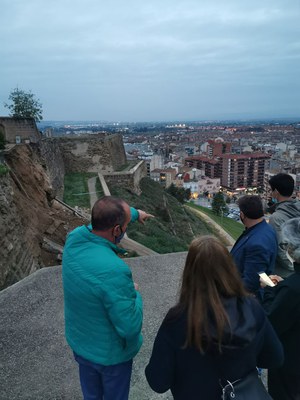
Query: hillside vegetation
{"points": [[173, 227], [232, 227]]}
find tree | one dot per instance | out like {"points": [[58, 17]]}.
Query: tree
{"points": [[24, 104], [181, 194], [218, 204]]}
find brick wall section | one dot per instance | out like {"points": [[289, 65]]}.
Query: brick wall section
{"points": [[92, 153], [24, 127], [128, 179]]}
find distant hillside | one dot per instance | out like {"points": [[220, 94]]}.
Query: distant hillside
{"points": [[173, 227]]}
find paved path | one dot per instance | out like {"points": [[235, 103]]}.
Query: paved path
{"points": [[92, 190], [229, 239]]}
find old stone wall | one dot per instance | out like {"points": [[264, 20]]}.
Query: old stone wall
{"points": [[129, 179], [92, 153], [24, 128], [51, 155]]}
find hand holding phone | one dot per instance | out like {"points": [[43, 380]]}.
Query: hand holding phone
{"points": [[265, 280]]}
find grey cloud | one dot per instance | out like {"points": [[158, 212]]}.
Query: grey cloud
{"points": [[165, 50]]}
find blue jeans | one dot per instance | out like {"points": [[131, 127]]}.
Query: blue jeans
{"points": [[100, 382]]}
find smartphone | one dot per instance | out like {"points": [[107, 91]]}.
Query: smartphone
{"points": [[264, 277]]}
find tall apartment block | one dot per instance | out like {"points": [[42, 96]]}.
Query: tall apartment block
{"points": [[244, 170], [235, 170]]}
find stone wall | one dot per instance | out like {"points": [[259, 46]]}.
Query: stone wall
{"points": [[53, 160], [128, 179], [24, 128], [92, 153]]}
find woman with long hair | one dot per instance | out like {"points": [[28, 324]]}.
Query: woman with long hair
{"points": [[216, 332]]}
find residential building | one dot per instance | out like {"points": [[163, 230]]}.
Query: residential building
{"points": [[244, 170]]}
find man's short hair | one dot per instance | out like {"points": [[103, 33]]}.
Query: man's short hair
{"points": [[251, 206], [108, 212], [283, 183]]}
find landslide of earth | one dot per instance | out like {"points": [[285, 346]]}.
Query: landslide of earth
{"points": [[30, 219]]}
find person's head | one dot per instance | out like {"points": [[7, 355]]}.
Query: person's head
{"points": [[282, 186], [291, 238], [110, 217], [251, 209], [209, 276]]}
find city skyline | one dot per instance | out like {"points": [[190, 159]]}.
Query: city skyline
{"points": [[162, 61]]}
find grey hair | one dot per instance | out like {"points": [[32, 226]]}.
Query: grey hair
{"points": [[291, 235]]}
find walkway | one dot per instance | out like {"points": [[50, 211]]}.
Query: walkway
{"points": [[221, 232], [92, 190]]}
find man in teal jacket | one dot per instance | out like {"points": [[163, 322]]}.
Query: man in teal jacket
{"points": [[103, 309]]}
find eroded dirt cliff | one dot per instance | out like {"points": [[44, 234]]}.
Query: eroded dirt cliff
{"points": [[31, 221]]}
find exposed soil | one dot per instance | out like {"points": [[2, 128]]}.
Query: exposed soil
{"points": [[39, 214]]}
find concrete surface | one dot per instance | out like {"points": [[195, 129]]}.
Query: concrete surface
{"points": [[35, 361]]}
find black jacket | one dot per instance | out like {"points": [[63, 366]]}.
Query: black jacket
{"points": [[191, 375], [282, 304]]}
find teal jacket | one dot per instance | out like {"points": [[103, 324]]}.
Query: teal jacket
{"points": [[103, 311]]}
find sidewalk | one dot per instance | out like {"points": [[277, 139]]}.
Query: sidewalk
{"points": [[228, 239]]}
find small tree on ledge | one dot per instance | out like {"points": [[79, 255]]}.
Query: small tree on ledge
{"points": [[24, 104]]}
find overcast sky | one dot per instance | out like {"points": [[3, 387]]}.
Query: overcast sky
{"points": [[139, 60]]}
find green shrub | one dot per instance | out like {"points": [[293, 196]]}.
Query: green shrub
{"points": [[3, 169]]}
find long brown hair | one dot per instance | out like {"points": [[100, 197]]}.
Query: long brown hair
{"points": [[209, 276]]}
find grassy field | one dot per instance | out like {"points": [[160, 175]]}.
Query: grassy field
{"points": [[76, 189], [232, 227]]}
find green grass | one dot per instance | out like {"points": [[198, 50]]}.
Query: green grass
{"points": [[3, 169], [76, 189], [232, 227], [173, 227]]}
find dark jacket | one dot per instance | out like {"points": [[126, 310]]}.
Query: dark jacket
{"points": [[192, 375], [255, 251], [282, 304]]}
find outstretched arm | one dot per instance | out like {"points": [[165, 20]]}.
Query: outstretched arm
{"points": [[139, 215]]}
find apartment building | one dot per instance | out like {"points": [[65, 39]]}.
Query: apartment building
{"points": [[244, 170], [210, 166]]}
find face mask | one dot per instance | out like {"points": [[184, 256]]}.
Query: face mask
{"points": [[274, 200], [120, 237]]}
